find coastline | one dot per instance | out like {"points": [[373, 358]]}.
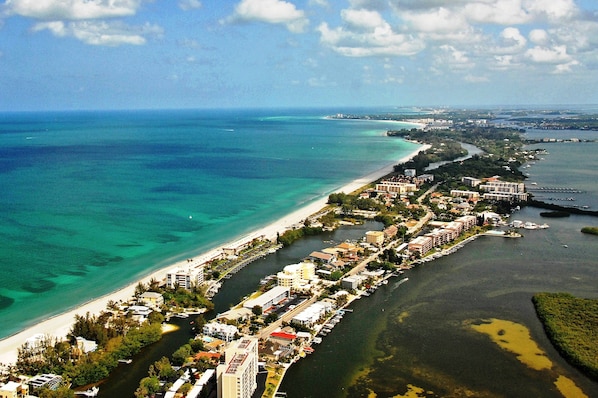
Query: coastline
{"points": [[59, 325]]}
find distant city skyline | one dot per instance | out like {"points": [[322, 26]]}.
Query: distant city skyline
{"points": [[146, 54]]}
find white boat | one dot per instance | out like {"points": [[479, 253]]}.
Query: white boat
{"points": [[92, 392]]}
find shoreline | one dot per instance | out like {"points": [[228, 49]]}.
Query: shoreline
{"points": [[59, 325]]}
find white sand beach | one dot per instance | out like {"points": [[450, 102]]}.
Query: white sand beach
{"points": [[60, 325]]}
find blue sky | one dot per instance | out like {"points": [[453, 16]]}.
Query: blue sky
{"points": [[128, 54]]}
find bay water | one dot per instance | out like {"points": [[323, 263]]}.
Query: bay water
{"points": [[418, 338]]}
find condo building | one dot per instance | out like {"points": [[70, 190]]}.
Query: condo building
{"points": [[237, 376]]}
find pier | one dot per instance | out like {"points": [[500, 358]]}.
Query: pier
{"points": [[554, 189]]}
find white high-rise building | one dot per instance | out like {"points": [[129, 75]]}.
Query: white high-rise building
{"points": [[184, 277]]}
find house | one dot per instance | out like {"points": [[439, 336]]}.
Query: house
{"points": [[283, 338], [309, 316], [374, 237], [321, 257], [351, 282], [220, 331], [47, 380], [152, 299], [14, 390]]}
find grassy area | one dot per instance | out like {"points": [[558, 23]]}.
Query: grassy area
{"points": [[572, 326], [275, 374], [590, 230]]}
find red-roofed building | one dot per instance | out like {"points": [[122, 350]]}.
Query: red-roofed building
{"points": [[282, 338]]}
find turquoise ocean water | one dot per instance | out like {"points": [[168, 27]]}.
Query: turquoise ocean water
{"points": [[92, 201]]}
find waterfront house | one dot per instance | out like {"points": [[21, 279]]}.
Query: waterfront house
{"points": [[220, 331], [14, 390], [374, 237], [152, 300]]}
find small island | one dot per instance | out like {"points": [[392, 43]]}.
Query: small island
{"points": [[590, 230], [571, 324]]}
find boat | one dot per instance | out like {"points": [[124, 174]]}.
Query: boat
{"points": [[127, 361], [92, 392]]}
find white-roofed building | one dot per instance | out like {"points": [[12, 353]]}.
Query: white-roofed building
{"points": [[14, 390], [296, 275], [221, 331], [272, 297], [309, 316], [185, 277]]}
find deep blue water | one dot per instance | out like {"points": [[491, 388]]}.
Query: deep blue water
{"points": [[91, 201]]}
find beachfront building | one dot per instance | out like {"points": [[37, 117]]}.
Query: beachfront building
{"points": [[220, 331], [13, 389], [296, 275], [396, 187], [237, 376], [374, 237], [270, 299], [185, 277], [152, 300]]}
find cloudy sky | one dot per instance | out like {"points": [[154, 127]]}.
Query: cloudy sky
{"points": [[124, 54]]}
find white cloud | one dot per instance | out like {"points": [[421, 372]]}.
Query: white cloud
{"points": [[452, 58], [545, 55], [321, 3], [476, 79], [502, 12], [382, 41], [366, 33], [271, 11], [510, 41], [363, 19], [553, 10], [538, 36], [187, 5], [100, 33], [438, 20], [55, 10]]}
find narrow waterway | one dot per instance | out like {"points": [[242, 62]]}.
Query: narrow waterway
{"points": [[125, 379]]}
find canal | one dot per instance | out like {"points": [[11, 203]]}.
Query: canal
{"points": [[125, 379]]}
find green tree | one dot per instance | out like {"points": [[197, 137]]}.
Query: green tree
{"points": [[60, 392], [257, 310], [148, 386], [271, 317], [180, 356]]}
